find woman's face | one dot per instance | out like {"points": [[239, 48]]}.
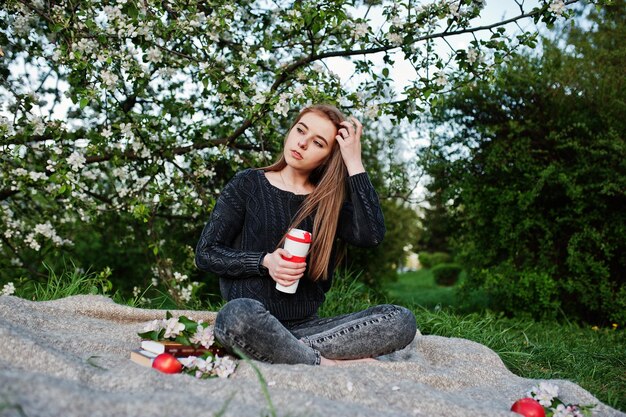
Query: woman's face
{"points": [[309, 142]]}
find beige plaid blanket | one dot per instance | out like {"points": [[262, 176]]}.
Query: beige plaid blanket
{"points": [[70, 358]]}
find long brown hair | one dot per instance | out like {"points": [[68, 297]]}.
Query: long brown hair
{"points": [[325, 200]]}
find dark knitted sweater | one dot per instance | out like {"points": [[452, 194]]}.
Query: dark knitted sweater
{"points": [[249, 220]]}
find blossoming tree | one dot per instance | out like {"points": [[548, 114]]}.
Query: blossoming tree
{"points": [[140, 110]]}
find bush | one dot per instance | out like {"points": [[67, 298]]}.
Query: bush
{"points": [[446, 274], [534, 177], [429, 260], [525, 293]]}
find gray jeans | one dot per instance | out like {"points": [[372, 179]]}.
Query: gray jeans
{"points": [[245, 324]]}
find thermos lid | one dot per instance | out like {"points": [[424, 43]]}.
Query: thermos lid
{"points": [[301, 236]]}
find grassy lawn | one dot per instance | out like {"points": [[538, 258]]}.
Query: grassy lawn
{"points": [[419, 289], [593, 358]]}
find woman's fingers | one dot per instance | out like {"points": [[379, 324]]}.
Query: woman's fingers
{"points": [[349, 139], [351, 129], [284, 271]]}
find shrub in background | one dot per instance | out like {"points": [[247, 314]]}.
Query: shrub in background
{"points": [[446, 274], [533, 166], [428, 260], [526, 293]]}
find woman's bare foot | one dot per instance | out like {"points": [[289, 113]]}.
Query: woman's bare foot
{"points": [[334, 362]]}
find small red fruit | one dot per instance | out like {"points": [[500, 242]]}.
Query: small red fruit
{"points": [[167, 363], [528, 408]]}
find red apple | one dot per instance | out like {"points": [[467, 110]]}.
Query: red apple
{"points": [[167, 363], [528, 408]]}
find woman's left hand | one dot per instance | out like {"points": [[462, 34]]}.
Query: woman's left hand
{"points": [[349, 140]]}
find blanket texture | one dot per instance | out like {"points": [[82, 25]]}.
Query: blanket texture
{"points": [[70, 358]]}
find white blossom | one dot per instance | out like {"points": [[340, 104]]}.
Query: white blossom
{"points": [[394, 38], [557, 7], [47, 230], [440, 78], [282, 107], [109, 79], [76, 161], [8, 289], [371, 111], [224, 367], [361, 30], [180, 277], [206, 172], [185, 293], [50, 165], [454, 9], [562, 410], [544, 393], [87, 46], [173, 328], [203, 336], [21, 25], [397, 21], [126, 129], [317, 67], [36, 176], [106, 132], [259, 98], [31, 242], [154, 55], [56, 55], [472, 55], [39, 126]]}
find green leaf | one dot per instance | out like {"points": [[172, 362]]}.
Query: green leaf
{"points": [[83, 102], [316, 27], [386, 72], [132, 10], [91, 361], [152, 335]]}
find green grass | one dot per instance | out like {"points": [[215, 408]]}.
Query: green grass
{"points": [[418, 289], [71, 281], [593, 358]]}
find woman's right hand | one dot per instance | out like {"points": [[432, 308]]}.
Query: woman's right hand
{"points": [[282, 271]]}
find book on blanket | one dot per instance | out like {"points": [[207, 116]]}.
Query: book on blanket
{"points": [[177, 349], [143, 357]]}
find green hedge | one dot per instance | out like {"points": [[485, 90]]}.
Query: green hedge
{"points": [[446, 274], [431, 259]]}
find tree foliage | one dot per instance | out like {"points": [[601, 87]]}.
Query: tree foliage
{"points": [[122, 120], [535, 164]]}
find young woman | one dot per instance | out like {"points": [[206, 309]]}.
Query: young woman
{"points": [[319, 185]]}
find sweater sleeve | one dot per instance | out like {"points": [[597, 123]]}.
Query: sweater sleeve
{"points": [[215, 251], [361, 221]]}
